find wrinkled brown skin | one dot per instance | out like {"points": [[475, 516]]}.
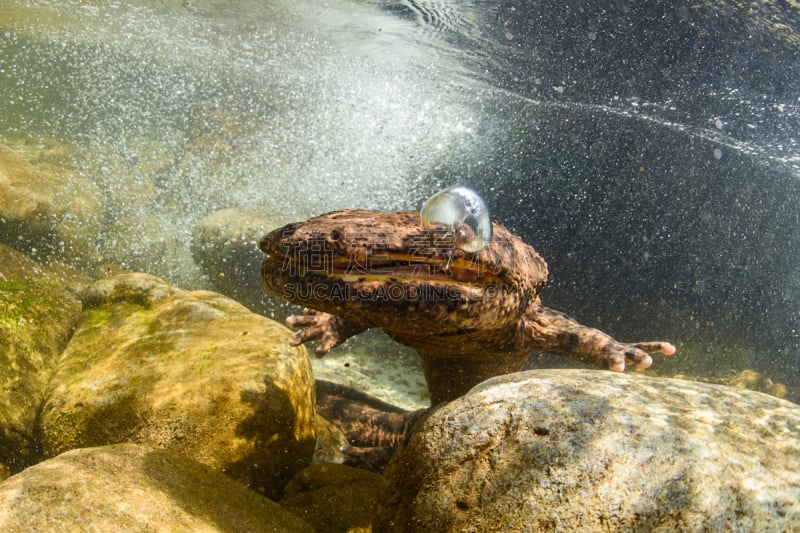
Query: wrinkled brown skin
{"points": [[470, 316]]}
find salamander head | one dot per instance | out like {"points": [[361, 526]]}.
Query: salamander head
{"points": [[389, 270]]}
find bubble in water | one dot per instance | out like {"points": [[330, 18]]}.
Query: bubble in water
{"points": [[463, 211]]}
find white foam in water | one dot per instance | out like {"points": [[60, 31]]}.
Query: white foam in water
{"points": [[292, 108]]}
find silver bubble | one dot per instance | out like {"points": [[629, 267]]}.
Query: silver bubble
{"points": [[464, 212]]}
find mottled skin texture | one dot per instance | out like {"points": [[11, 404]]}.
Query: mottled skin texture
{"points": [[470, 316]]}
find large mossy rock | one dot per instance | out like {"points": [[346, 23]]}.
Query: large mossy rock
{"points": [[48, 212], [38, 310], [194, 372], [126, 487], [582, 450]]}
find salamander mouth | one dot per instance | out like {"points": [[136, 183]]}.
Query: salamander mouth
{"points": [[384, 267]]}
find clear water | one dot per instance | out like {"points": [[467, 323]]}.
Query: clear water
{"points": [[649, 152]]}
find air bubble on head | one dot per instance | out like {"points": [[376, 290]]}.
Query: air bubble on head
{"points": [[465, 214]]}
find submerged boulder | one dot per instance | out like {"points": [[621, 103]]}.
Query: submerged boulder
{"points": [[334, 498], [193, 372], [581, 450], [225, 245], [46, 211], [126, 487], [38, 310]]}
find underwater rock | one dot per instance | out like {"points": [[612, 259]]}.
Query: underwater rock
{"points": [[38, 310], [744, 379], [581, 450], [194, 372], [334, 498], [225, 245], [330, 443], [752, 380], [46, 211], [127, 487]]}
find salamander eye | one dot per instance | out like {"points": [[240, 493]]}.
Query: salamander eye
{"points": [[464, 236], [464, 212]]}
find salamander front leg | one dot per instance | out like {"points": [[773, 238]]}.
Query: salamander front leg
{"points": [[325, 329], [555, 332]]}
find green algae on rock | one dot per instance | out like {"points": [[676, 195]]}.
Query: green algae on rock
{"points": [[127, 487], [38, 311], [194, 372]]}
